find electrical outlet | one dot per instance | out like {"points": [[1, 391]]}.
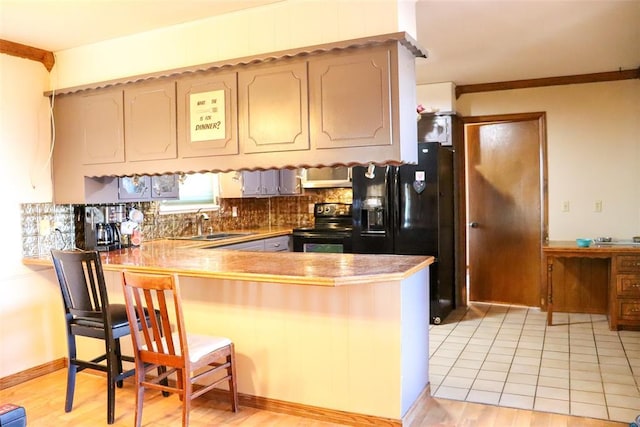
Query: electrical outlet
{"points": [[311, 208], [234, 211], [597, 206], [565, 206], [44, 227]]}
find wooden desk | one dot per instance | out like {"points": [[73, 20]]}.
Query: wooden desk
{"points": [[623, 282]]}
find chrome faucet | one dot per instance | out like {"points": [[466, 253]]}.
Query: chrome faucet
{"points": [[200, 218]]}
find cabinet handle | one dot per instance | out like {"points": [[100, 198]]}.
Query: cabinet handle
{"points": [[276, 245]]}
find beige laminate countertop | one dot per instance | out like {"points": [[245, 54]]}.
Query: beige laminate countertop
{"points": [[188, 258]]}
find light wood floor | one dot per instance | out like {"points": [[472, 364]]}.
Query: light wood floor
{"points": [[43, 399]]}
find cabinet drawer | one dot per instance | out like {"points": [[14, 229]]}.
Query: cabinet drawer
{"points": [[277, 244], [628, 285], [629, 309], [628, 263]]}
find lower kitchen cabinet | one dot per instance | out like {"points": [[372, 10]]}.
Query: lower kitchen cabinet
{"points": [[272, 244], [277, 244]]}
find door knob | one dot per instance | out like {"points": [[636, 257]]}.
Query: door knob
{"points": [[473, 224]]}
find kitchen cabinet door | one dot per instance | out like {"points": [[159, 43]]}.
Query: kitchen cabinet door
{"points": [[273, 108], [252, 184], [350, 99], [150, 121], [207, 115], [289, 182], [260, 183], [134, 188], [270, 182], [102, 124], [165, 187], [230, 185], [146, 188]]}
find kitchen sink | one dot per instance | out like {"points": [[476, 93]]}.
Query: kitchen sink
{"points": [[212, 236]]}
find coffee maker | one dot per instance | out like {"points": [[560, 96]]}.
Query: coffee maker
{"points": [[98, 227]]}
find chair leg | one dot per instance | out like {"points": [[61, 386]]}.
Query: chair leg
{"points": [[71, 372], [139, 402], [114, 368], [231, 371], [165, 382], [118, 352], [186, 397]]}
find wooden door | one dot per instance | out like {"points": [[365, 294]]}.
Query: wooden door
{"points": [[507, 222]]}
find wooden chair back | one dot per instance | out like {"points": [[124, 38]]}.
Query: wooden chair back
{"points": [[154, 342]]}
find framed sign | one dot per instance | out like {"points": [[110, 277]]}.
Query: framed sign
{"points": [[207, 116]]}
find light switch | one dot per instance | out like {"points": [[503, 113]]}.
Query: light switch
{"points": [[597, 206], [565, 206]]}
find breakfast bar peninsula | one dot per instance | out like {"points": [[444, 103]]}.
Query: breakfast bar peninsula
{"points": [[341, 337]]}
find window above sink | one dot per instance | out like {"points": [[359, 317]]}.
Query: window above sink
{"points": [[198, 191]]}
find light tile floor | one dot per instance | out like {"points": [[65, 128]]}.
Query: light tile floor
{"points": [[508, 356]]}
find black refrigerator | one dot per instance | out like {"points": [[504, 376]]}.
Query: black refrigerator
{"points": [[409, 210]]}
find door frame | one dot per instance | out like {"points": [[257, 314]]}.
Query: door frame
{"points": [[461, 183]]}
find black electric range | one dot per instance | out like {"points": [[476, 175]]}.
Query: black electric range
{"points": [[331, 231]]}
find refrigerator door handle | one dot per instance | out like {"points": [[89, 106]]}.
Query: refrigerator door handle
{"points": [[395, 194]]}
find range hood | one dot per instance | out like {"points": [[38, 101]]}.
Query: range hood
{"points": [[326, 177]]}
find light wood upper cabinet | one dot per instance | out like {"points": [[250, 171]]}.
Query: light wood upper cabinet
{"points": [[101, 120], [273, 105], [207, 115], [350, 99], [150, 121]]}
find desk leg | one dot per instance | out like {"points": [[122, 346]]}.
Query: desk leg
{"points": [[549, 291]]}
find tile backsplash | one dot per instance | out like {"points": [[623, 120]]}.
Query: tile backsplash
{"points": [[47, 226]]}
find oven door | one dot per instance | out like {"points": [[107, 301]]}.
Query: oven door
{"points": [[322, 242]]}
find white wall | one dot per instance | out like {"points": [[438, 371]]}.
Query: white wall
{"points": [[437, 97], [593, 140], [31, 326], [270, 28]]}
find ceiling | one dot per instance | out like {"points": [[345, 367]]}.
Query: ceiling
{"points": [[469, 41]]}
